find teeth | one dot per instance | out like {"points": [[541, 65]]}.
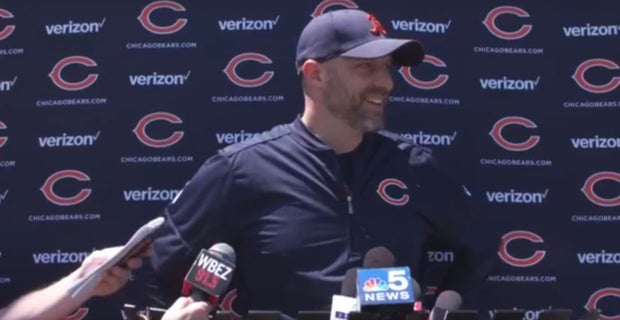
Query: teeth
{"points": [[376, 101]]}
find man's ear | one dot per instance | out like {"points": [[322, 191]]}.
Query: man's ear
{"points": [[312, 71]]}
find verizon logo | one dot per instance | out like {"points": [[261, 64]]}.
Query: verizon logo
{"points": [[74, 28], [591, 31], [233, 137], [422, 138], [150, 194], [68, 141], [596, 143], [509, 84], [516, 197], [59, 257], [248, 25], [156, 79], [440, 256], [599, 257], [421, 26], [529, 314], [3, 195], [7, 85]]}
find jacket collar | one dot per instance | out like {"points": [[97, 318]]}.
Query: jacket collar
{"points": [[304, 136]]}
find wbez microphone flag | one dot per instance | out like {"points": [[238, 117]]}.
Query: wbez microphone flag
{"points": [[210, 274], [379, 287]]}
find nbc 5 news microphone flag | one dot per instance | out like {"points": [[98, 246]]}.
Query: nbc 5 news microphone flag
{"points": [[384, 286]]}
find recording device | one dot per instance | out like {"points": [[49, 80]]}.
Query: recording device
{"points": [[155, 313], [377, 257], [382, 290], [346, 305], [210, 274], [136, 244], [446, 302], [130, 312], [207, 278], [386, 291]]}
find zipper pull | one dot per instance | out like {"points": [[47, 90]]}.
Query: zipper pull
{"points": [[349, 199]]}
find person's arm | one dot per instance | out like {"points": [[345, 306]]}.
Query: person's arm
{"points": [[475, 244], [459, 219], [54, 301], [202, 215]]}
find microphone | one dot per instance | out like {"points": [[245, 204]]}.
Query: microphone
{"points": [[383, 288], [347, 303], [349, 286], [210, 274], [446, 301], [379, 257]]}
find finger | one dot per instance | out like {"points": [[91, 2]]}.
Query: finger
{"points": [[198, 310], [109, 285], [107, 252], [180, 303], [146, 251], [97, 257], [119, 272], [207, 306], [133, 263]]}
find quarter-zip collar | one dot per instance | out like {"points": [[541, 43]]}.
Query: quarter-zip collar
{"points": [[308, 139], [304, 136]]}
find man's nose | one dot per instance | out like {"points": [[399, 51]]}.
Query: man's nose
{"points": [[384, 80]]}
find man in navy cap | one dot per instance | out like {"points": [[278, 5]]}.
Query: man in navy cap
{"points": [[303, 202]]}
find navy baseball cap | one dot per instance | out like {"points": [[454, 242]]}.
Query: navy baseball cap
{"points": [[353, 33]]}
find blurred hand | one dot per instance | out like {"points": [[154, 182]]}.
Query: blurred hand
{"points": [[116, 277], [184, 308]]}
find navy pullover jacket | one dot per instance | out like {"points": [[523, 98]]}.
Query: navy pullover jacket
{"points": [[299, 216]]}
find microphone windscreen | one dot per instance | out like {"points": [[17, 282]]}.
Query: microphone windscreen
{"points": [[348, 288], [379, 257], [225, 250], [449, 300], [417, 290]]}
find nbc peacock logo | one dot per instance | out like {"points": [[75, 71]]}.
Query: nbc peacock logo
{"points": [[375, 285], [381, 285]]}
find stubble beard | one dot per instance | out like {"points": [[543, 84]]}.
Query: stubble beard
{"points": [[348, 107]]}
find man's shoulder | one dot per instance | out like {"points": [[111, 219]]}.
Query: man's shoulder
{"points": [[417, 154], [264, 139]]}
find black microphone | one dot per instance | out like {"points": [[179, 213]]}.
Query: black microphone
{"points": [[210, 274], [446, 301]]}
